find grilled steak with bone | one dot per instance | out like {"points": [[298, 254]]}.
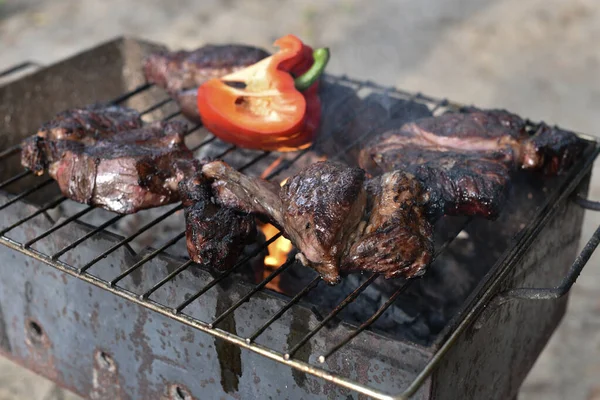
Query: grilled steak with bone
{"points": [[337, 220], [464, 160], [215, 236], [181, 72]]}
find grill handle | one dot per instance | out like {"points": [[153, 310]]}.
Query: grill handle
{"points": [[16, 68], [572, 274], [547, 293]]}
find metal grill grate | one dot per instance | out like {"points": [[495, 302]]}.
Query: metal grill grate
{"points": [[177, 312]]}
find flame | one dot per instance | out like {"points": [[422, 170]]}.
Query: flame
{"points": [[278, 252]]}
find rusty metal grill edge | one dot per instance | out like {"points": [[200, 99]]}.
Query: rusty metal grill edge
{"points": [[249, 342]]}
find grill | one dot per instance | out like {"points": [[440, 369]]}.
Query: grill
{"points": [[137, 312]]}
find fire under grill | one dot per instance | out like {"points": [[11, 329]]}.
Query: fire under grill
{"points": [[467, 329]]}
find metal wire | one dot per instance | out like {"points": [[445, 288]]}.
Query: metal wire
{"points": [[18, 67], [58, 226], [130, 238], [156, 106], [40, 211], [587, 204], [128, 95], [225, 274], [371, 320], [349, 299], [85, 237], [225, 152], [15, 178], [174, 114], [26, 193], [367, 323], [254, 290], [311, 285], [10, 151], [166, 279], [204, 143], [147, 258], [365, 135]]}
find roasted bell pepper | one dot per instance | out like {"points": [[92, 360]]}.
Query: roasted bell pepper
{"points": [[271, 105]]}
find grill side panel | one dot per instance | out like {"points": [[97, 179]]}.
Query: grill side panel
{"points": [[104, 346], [492, 358]]}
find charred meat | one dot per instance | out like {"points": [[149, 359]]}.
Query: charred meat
{"points": [[181, 72], [215, 235], [125, 173], [336, 219], [465, 159], [86, 125], [394, 237]]}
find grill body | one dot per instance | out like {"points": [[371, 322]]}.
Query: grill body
{"points": [[104, 346]]}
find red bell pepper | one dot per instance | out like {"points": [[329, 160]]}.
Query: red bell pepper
{"points": [[277, 106]]}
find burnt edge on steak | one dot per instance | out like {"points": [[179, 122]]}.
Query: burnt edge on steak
{"points": [[337, 220], [215, 235], [465, 160], [87, 124], [104, 156], [181, 72], [132, 171]]}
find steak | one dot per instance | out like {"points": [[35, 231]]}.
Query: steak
{"points": [[337, 220], [215, 235], [87, 125], [465, 160], [179, 70], [124, 173]]}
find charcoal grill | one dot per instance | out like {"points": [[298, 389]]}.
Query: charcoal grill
{"points": [[109, 322]]}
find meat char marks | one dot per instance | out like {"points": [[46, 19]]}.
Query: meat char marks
{"points": [[86, 125], [106, 158], [181, 72], [339, 221], [465, 160], [215, 236]]}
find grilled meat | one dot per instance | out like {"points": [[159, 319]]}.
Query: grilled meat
{"points": [[86, 125], [187, 100], [465, 159], [354, 121], [335, 218], [179, 70], [552, 150], [124, 173], [215, 235], [321, 208], [397, 238]]}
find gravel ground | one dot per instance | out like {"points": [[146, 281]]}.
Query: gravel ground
{"points": [[539, 58]]}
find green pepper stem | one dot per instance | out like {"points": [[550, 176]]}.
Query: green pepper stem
{"points": [[304, 81]]}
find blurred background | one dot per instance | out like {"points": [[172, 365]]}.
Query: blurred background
{"points": [[538, 58]]}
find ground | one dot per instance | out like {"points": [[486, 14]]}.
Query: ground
{"points": [[539, 58]]}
